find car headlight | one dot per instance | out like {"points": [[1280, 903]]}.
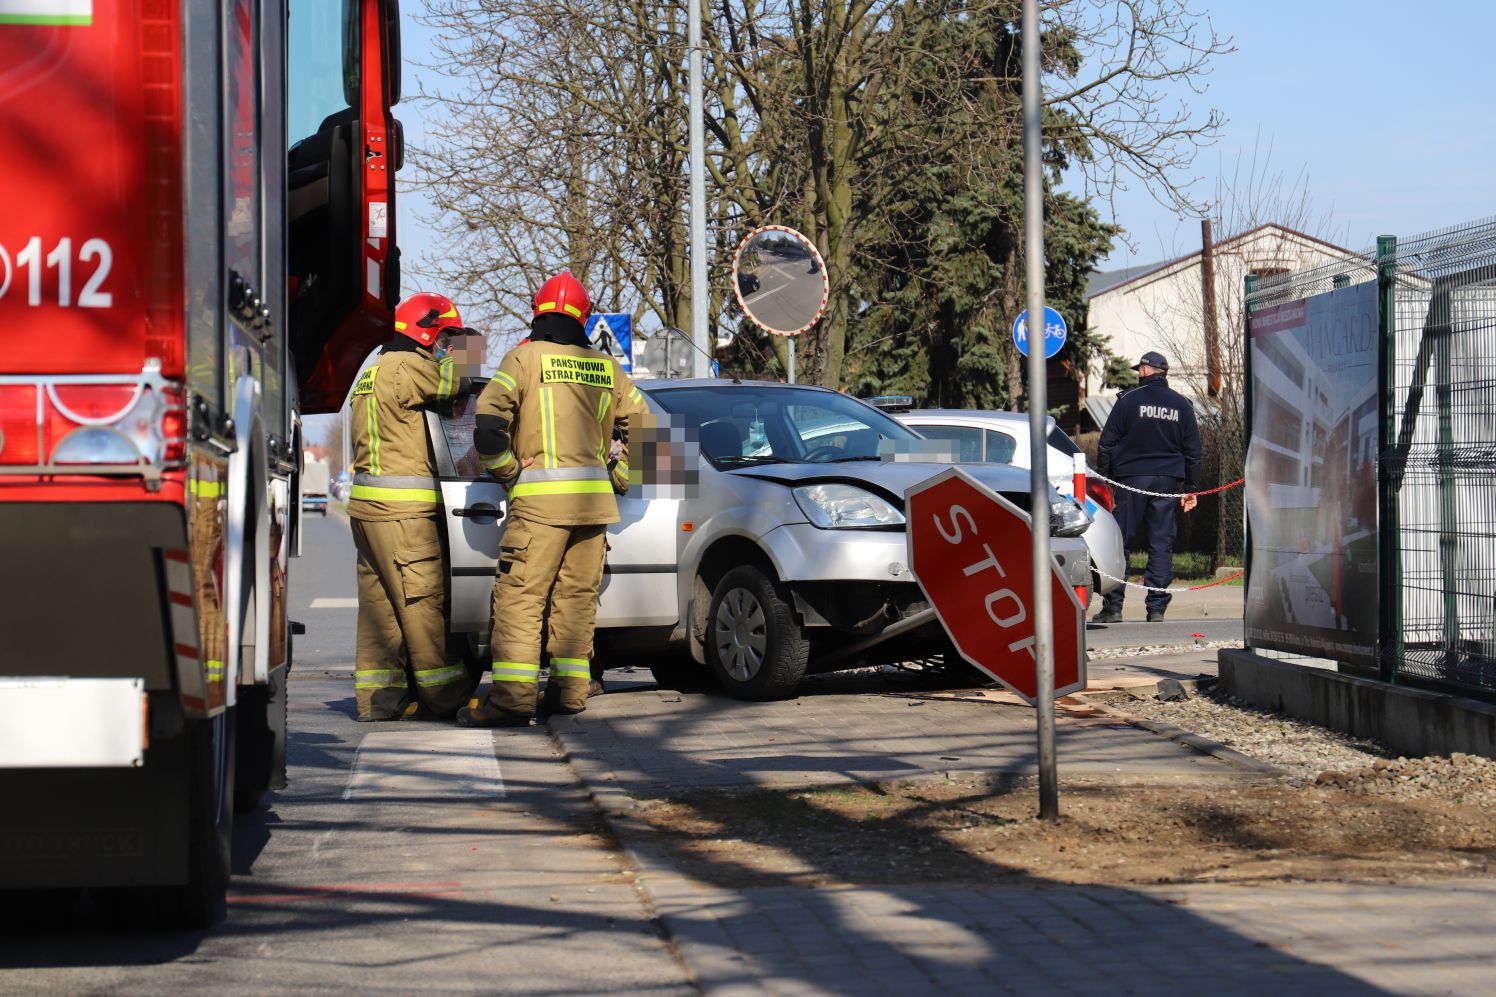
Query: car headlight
{"points": [[1066, 518], [845, 507]]}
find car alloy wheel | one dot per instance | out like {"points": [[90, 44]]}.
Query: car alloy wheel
{"points": [[754, 645], [740, 634]]}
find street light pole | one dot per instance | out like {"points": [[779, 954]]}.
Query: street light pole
{"points": [[700, 357], [1033, 252]]}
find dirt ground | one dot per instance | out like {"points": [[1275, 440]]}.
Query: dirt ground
{"points": [[974, 830]]}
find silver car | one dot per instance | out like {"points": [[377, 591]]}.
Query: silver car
{"points": [[767, 542], [1003, 438]]}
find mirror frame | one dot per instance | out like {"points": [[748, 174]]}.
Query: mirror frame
{"points": [[737, 291]]}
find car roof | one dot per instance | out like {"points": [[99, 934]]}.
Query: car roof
{"points": [[656, 383], [1010, 420]]}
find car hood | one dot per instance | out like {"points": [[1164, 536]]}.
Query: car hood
{"points": [[892, 478]]}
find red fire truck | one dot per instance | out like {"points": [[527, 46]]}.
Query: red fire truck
{"points": [[197, 247]]}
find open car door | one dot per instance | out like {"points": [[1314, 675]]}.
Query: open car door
{"points": [[639, 579], [344, 77]]}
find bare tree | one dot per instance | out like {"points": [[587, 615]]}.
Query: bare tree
{"points": [[564, 140]]}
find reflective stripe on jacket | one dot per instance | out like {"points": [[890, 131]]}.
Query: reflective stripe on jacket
{"points": [[393, 474], [559, 405]]}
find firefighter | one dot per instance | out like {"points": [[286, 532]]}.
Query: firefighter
{"points": [[544, 429], [393, 506]]}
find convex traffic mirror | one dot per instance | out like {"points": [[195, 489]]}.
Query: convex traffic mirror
{"points": [[780, 280]]}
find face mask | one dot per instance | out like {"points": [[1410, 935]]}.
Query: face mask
{"points": [[441, 350]]}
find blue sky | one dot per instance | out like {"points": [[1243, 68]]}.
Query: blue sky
{"points": [[1386, 107]]}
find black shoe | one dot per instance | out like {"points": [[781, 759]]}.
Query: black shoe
{"points": [[1107, 616], [488, 715], [1155, 617]]}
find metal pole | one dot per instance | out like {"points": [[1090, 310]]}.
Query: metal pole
{"points": [[700, 359], [791, 345], [1208, 300], [1033, 251]]}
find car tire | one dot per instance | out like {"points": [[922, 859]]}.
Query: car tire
{"points": [[754, 646]]}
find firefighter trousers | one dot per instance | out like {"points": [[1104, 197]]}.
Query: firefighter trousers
{"points": [[401, 596], [538, 565]]}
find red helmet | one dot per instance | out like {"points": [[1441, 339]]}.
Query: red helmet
{"points": [[565, 295], [423, 315]]}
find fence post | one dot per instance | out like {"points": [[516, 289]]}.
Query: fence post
{"points": [[1248, 387], [1389, 555]]}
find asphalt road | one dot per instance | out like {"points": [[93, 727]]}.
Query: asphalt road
{"points": [[789, 295]]}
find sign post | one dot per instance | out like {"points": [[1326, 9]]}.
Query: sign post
{"points": [[968, 549], [1033, 278]]}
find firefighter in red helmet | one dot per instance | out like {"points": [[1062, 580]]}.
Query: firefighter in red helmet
{"points": [[544, 428], [393, 507]]}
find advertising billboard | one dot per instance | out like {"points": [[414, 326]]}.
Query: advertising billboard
{"points": [[1312, 477]]}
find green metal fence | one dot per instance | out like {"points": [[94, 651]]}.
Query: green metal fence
{"points": [[1439, 468], [1436, 448]]}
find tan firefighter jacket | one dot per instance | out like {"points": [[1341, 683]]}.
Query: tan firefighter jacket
{"points": [[393, 476], [556, 405]]}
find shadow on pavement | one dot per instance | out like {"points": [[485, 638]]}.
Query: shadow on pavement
{"points": [[754, 924]]}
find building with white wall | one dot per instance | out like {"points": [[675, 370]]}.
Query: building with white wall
{"points": [[1160, 306]]}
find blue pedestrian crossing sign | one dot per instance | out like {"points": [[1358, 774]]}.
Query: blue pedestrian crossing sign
{"points": [[1055, 331], [613, 333]]}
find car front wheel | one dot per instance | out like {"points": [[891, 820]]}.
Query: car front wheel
{"points": [[754, 645]]}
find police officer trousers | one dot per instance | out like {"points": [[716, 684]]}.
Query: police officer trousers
{"points": [[540, 565], [401, 597], [1150, 524]]}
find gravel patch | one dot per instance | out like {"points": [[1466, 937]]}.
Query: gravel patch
{"points": [[1459, 777], [1311, 754], [1148, 650], [1302, 750]]}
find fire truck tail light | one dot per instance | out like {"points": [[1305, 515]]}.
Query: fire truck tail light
{"points": [[18, 424], [93, 423], [96, 445], [93, 404]]}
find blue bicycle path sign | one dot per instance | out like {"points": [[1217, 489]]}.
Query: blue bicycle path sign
{"points": [[1055, 331]]}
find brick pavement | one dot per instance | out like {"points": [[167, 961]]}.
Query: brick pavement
{"points": [[645, 741], [1024, 936]]}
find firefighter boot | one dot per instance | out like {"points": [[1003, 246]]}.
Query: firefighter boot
{"points": [[490, 714], [567, 689]]}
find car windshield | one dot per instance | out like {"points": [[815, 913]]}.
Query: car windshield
{"points": [[743, 425]]}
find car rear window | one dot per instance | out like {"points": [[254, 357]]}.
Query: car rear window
{"points": [[968, 439], [1061, 442]]}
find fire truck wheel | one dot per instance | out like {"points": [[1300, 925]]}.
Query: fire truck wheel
{"points": [[201, 901], [28, 910], [261, 723]]}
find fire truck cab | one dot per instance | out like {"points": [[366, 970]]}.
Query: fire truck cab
{"points": [[197, 246]]}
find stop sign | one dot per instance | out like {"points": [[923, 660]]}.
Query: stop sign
{"points": [[970, 550]]}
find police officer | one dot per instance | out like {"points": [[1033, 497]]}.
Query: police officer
{"points": [[1151, 442], [544, 428], [393, 507]]}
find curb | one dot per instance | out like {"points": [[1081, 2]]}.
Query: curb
{"points": [[1179, 735], [649, 864]]}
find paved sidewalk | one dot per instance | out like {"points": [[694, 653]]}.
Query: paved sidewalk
{"points": [[1018, 936], [649, 741]]}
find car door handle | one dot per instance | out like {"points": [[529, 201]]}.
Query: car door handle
{"points": [[479, 512]]}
